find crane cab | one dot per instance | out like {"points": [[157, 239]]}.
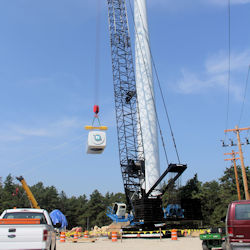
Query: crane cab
{"points": [[96, 142], [119, 209]]}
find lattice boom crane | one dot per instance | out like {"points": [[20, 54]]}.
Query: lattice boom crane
{"points": [[146, 209]]}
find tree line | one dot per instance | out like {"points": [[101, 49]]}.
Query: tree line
{"points": [[87, 212]]}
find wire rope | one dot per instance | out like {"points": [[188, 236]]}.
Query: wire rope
{"points": [[243, 102], [229, 65], [152, 95], [97, 52], [159, 85]]}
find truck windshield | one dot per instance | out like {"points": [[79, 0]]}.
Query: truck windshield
{"points": [[242, 212], [26, 215]]}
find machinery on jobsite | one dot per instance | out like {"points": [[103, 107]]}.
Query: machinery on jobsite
{"points": [[32, 200], [137, 127], [137, 122]]}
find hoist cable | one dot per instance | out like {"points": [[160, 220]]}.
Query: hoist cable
{"points": [[159, 85], [165, 107], [97, 52], [243, 102]]}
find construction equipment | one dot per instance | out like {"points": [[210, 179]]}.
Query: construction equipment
{"points": [[32, 200], [145, 205], [117, 213], [213, 239]]}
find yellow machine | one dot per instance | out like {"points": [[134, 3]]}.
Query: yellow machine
{"points": [[30, 196]]}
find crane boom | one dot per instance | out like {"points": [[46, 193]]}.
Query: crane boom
{"points": [[146, 208], [131, 150], [30, 196]]}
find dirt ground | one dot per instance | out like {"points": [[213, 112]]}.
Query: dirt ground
{"points": [[187, 243]]}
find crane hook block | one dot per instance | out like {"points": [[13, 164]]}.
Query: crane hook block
{"points": [[96, 109]]}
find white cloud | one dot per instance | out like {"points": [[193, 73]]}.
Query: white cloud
{"points": [[9, 137], [12, 132], [32, 132], [215, 75], [219, 63]]}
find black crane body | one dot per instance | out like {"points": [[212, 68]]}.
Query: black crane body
{"points": [[147, 210]]}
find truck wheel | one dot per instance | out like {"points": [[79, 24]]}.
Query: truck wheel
{"points": [[223, 246], [226, 246], [205, 247]]}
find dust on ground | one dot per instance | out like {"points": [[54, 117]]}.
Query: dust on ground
{"points": [[183, 243]]}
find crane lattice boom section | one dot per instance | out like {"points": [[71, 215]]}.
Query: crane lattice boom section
{"points": [[128, 121]]}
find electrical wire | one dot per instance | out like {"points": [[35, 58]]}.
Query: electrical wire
{"points": [[229, 65], [159, 85], [243, 102]]}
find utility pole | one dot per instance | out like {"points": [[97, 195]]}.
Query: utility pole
{"points": [[237, 130], [235, 171]]}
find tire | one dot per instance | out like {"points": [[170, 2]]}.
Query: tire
{"points": [[205, 247], [223, 246], [226, 246]]}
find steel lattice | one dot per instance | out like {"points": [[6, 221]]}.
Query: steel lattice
{"points": [[127, 116]]}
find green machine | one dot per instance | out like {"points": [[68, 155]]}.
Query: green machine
{"points": [[213, 239]]}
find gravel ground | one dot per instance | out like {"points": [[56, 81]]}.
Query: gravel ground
{"points": [[187, 243]]}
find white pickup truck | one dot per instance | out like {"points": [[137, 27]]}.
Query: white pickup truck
{"points": [[26, 228]]}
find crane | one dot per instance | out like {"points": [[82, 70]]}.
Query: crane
{"points": [[30, 196], [144, 205]]}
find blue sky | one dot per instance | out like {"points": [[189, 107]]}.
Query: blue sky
{"points": [[47, 74]]}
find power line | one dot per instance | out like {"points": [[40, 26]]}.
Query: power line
{"points": [[243, 103], [229, 63]]}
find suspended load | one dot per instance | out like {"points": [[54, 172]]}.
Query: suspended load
{"points": [[96, 137], [96, 142]]}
